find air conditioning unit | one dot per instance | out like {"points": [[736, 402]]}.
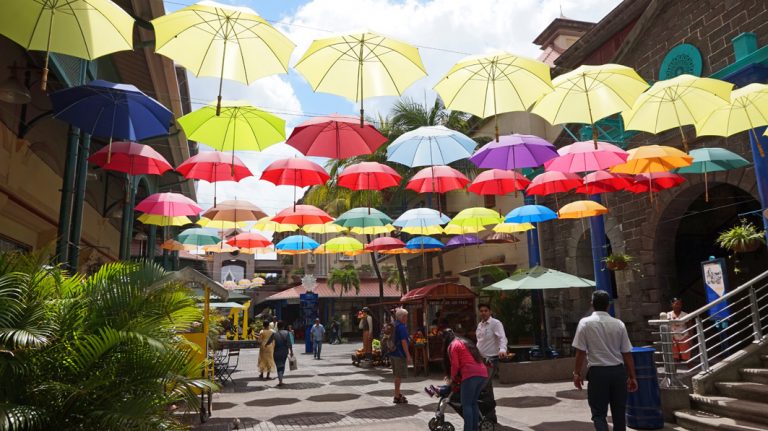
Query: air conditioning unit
{"points": [[345, 258]]}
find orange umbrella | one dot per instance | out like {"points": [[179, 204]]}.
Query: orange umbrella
{"points": [[581, 209], [652, 158]]}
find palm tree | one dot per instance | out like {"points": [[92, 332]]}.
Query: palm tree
{"points": [[346, 278]]}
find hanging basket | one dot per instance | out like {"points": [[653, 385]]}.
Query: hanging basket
{"points": [[747, 246], [616, 266]]}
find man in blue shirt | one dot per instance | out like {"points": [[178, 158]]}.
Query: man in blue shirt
{"points": [[401, 356], [317, 333]]}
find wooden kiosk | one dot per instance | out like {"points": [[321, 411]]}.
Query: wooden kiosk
{"points": [[438, 306]]}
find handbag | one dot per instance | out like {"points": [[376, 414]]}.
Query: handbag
{"points": [[293, 363]]}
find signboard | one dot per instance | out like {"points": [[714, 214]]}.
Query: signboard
{"points": [[715, 277], [308, 303]]}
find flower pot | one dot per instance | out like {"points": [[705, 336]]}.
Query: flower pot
{"points": [[616, 266], [746, 246]]}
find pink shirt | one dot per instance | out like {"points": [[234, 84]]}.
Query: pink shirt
{"points": [[463, 364]]}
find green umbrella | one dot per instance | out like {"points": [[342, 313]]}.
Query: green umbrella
{"points": [[707, 160], [363, 217], [198, 237], [539, 277], [343, 244]]}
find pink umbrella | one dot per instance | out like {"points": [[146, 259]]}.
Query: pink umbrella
{"points": [[553, 182], [498, 182], [168, 204], [369, 176], [302, 215], [214, 166], [586, 156], [131, 158], [335, 136], [295, 172], [605, 182], [437, 179]]}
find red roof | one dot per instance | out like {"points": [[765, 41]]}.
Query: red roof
{"points": [[368, 289], [444, 290]]}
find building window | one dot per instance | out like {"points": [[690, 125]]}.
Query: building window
{"points": [[8, 245]]}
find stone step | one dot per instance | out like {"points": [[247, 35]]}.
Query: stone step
{"points": [[757, 375], [696, 420], [732, 407], [743, 390]]}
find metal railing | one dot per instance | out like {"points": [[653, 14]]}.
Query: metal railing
{"points": [[708, 335]]}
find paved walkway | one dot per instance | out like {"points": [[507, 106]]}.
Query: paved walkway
{"points": [[331, 394]]}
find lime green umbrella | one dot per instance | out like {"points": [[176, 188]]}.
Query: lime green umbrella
{"points": [[343, 244], [363, 217], [707, 160], [539, 277], [477, 217]]}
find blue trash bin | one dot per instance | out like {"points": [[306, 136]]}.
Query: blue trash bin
{"points": [[644, 405]]}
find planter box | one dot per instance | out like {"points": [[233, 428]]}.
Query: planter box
{"points": [[550, 370]]}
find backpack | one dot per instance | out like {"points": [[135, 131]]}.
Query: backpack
{"points": [[390, 346]]}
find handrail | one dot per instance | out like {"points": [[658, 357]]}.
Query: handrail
{"points": [[693, 314]]}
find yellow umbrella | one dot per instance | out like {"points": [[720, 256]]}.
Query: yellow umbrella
{"points": [[653, 158], [423, 230], [372, 230], [329, 227], [677, 102], [173, 245], [293, 252], [161, 220], [748, 109], [581, 209], [220, 224], [258, 250], [453, 229], [361, 65], [265, 224], [488, 85], [356, 252], [343, 244], [86, 29], [590, 93], [223, 41], [512, 227], [221, 247]]}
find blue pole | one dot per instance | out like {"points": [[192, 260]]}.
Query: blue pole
{"points": [[534, 255], [761, 168], [599, 253], [534, 259]]}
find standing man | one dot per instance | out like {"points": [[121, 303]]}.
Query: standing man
{"points": [[492, 343], [603, 341], [681, 343], [317, 333], [366, 325], [334, 339], [401, 356]]}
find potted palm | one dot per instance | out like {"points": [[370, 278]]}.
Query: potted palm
{"points": [[617, 261], [742, 238]]}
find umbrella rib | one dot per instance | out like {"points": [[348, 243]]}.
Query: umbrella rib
{"points": [[391, 78], [80, 28], [333, 63], [210, 44], [128, 42], [37, 23]]}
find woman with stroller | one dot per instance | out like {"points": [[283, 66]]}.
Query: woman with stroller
{"points": [[466, 367]]}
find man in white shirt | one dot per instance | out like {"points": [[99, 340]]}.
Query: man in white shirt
{"points": [[603, 342], [492, 344]]}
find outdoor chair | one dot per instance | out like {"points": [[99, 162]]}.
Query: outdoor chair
{"points": [[233, 359], [220, 362]]}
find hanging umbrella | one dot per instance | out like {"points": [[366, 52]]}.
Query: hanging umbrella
{"points": [[302, 215], [249, 240], [657, 181], [86, 29], [437, 179], [244, 283], [335, 136], [530, 214], [514, 152], [476, 217], [677, 102], [372, 230], [463, 241], [258, 281], [513, 227], [396, 251], [258, 250], [498, 182], [173, 245], [214, 166], [294, 252], [321, 250], [581, 209], [585, 157], [747, 109], [222, 41], [488, 85], [707, 160], [501, 238], [362, 218], [168, 204], [162, 220], [368, 176], [384, 243], [220, 224], [111, 110], [551, 182], [424, 230], [605, 182], [421, 218], [297, 243], [234, 211], [455, 229], [295, 172], [198, 237], [265, 224], [424, 244], [221, 247], [324, 228], [539, 277], [131, 158], [429, 146], [653, 158], [360, 65], [343, 244], [590, 93]]}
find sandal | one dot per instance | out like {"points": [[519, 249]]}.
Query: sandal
{"points": [[400, 400]]}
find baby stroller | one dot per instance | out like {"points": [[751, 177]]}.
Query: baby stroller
{"points": [[447, 397]]}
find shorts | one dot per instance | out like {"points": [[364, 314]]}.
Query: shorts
{"points": [[399, 367], [680, 350]]}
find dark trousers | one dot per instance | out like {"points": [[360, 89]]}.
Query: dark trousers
{"points": [[607, 385], [470, 393], [318, 346]]}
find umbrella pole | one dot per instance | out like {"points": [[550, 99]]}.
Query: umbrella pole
{"points": [[757, 140], [360, 75], [589, 109], [44, 79], [682, 135], [706, 187], [221, 78]]}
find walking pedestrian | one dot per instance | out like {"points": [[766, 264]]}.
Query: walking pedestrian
{"points": [[283, 347], [317, 333], [603, 342], [334, 339], [401, 356], [293, 334], [492, 344], [466, 367], [266, 350], [366, 325], [681, 343]]}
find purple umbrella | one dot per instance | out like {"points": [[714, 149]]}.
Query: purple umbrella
{"points": [[463, 240], [514, 152]]}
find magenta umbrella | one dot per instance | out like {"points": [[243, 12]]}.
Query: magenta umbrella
{"points": [[335, 136], [169, 204], [586, 156], [214, 166], [514, 152]]}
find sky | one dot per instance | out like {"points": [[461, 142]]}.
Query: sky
{"points": [[445, 31]]}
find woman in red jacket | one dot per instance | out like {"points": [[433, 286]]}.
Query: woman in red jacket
{"points": [[465, 365]]}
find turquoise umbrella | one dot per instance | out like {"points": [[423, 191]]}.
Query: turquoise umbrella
{"points": [[539, 277], [363, 217], [297, 243], [530, 214], [198, 237], [707, 160]]}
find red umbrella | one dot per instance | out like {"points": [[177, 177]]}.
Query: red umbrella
{"points": [[384, 243], [131, 158], [498, 182], [168, 204], [553, 182], [605, 182], [655, 182], [302, 215], [369, 176], [335, 136], [437, 179], [249, 240], [586, 156], [213, 166], [295, 172]]}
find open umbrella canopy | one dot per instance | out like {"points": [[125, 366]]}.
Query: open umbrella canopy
{"points": [[297, 243], [234, 211], [384, 243], [221, 247], [220, 224], [498, 182], [713, 160], [584, 157], [501, 238], [372, 230], [514, 152], [421, 217], [131, 158], [653, 158], [295, 172], [335, 136], [343, 244], [747, 109], [551, 182], [539, 277], [265, 224], [173, 245], [437, 179], [324, 228], [424, 243], [530, 214], [369, 176], [363, 217], [429, 146], [214, 166], [301, 215], [476, 217], [581, 209], [512, 227], [168, 204], [463, 241], [249, 240], [605, 182], [655, 182], [162, 220], [198, 237], [405, 250], [455, 229], [424, 230]]}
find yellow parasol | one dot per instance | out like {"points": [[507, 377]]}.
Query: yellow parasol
{"points": [[581, 209], [161, 220], [265, 224], [748, 109], [512, 227], [453, 229], [220, 224], [423, 230], [221, 247], [329, 227], [372, 230]]}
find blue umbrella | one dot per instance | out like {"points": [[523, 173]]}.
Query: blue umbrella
{"points": [[423, 243], [530, 214], [297, 243], [430, 146]]}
